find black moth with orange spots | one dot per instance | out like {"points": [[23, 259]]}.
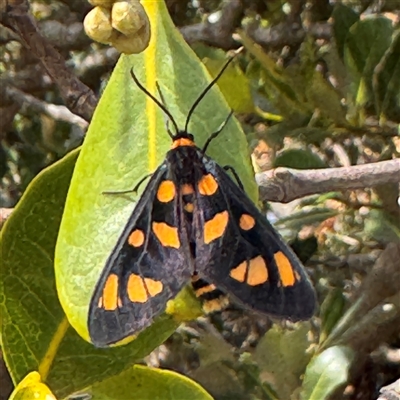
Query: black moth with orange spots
{"points": [[193, 222]]}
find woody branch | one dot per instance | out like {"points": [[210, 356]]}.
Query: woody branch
{"points": [[286, 184]]}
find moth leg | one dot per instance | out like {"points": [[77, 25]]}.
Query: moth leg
{"points": [[234, 173], [134, 190], [216, 133]]}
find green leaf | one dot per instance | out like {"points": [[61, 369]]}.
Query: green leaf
{"points": [[277, 84], [326, 372], [298, 158], [35, 332], [234, 85], [387, 82], [30, 311], [281, 356], [145, 383], [343, 19], [127, 140], [331, 311], [306, 216], [324, 97], [365, 45], [382, 227]]}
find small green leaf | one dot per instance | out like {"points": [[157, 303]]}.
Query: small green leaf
{"points": [[387, 82], [326, 372], [310, 216], [324, 97], [299, 159], [331, 311], [277, 84], [234, 85], [343, 19], [145, 383], [282, 355], [382, 227], [365, 45]]}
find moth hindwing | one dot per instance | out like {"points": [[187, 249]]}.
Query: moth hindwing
{"points": [[194, 221]]}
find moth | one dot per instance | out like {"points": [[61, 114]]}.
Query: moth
{"points": [[194, 222]]}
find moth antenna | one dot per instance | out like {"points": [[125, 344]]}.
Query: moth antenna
{"points": [[205, 91], [158, 102]]}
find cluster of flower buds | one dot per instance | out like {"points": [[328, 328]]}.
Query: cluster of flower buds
{"points": [[122, 24]]}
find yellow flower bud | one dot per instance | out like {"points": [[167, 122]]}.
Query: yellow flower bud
{"points": [[97, 24]]}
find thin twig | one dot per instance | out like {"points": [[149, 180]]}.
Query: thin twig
{"points": [[78, 97], [57, 112]]}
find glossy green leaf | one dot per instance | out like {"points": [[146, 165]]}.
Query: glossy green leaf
{"points": [[30, 312], [145, 383], [326, 372], [35, 332], [281, 355], [126, 140], [299, 159]]}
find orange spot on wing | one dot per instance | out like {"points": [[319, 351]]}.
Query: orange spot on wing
{"points": [[136, 289], [246, 222], [205, 289], [153, 287], [215, 227], [110, 293], [285, 268], [258, 272], [188, 207], [136, 238], [166, 191], [167, 235], [187, 188], [208, 185], [239, 273], [182, 142]]}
